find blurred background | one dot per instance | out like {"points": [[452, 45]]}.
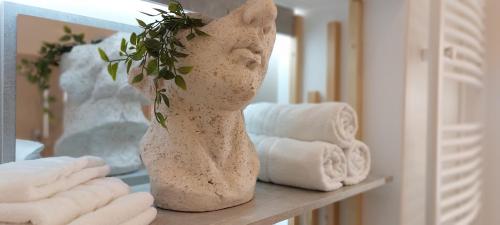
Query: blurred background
{"points": [[422, 74]]}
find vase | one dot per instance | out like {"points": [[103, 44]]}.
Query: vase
{"points": [[204, 160]]}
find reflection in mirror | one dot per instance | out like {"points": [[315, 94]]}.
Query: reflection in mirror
{"points": [[67, 102]]}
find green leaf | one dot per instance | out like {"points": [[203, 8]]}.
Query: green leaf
{"points": [[129, 65], [165, 99], [180, 54], [166, 74], [147, 14], [139, 54], [65, 38], [138, 78], [179, 81], [112, 70], [103, 55], [200, 33], [174, 7], [67, 29], [161, 11], [123, 45], [141, 23], [152, 67], [152, 44], [161, 119], [133, 38], [190, 36], [185, 69], [79, 38]]}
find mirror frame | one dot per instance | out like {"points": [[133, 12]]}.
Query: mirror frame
{"points": [[9, 11]]}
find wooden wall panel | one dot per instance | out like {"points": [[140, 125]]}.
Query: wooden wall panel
{"points": [[297, 76], [350, 211], [334, 60]]}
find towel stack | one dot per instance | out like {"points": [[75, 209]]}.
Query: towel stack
{"points": [[310, 146], [64, 190]]}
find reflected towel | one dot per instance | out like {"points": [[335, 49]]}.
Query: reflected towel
{"points": [[119, 211], [358, 162], [66, 206], [37, 179], [332, 122], [311, 165]]}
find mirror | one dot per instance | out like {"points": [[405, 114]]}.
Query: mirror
{"points": [[308, 54], [67, 101]]}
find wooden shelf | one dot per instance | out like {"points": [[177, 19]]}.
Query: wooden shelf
{"points": [[272, 204]]}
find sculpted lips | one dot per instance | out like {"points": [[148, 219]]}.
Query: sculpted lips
{"points": [[248, 54]]}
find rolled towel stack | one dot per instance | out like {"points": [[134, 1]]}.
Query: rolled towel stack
{"points": [[333, 124], [358, 162], [311, 165], [64, 190]]}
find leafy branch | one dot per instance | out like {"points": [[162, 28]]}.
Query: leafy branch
{"points": [[38, 72], [158, 50]]}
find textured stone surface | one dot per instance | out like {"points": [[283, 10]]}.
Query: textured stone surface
{"points": [[205, 160], [102, 117]]}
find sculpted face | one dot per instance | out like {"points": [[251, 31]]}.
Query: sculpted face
{"points": [[231, 63]]}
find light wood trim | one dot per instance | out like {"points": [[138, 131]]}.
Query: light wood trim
{"points": [[333, 93], [297, 77], [354, 78], [327, 215], [350, 210], [333, 61], [313, 97]]}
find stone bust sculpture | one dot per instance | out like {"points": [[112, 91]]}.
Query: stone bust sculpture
{"points": [[205, 161], [102, 117]]}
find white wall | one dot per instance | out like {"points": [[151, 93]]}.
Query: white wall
{"points": [[491, 176], [315, 42], [384, 82], [121, 11], [276, 85]]}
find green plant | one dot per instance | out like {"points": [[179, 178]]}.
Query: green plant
{"points": [[38, 71], [158, 49]]}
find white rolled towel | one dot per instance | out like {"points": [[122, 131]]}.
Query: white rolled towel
{"points": [[311, 165], [358, 162], [66, 206], [120, 211], [332, 122], [32, 180]]}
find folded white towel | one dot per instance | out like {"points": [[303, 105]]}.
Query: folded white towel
{"points": [[332, 122], [119, 211], [66, 206], [37, 179], [311, 165], [358, 162], [145, 218]]}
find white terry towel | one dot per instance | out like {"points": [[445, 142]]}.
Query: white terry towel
{"points": [[119, 211], [332, 122], [37, 179], [358, 162], [66, 206], [311, 165]]}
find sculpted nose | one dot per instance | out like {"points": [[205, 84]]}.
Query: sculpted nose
{"points": [[260, 13]]}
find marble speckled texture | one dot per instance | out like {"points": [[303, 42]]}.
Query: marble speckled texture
{"points": [[102, 117], [205, 160]]}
